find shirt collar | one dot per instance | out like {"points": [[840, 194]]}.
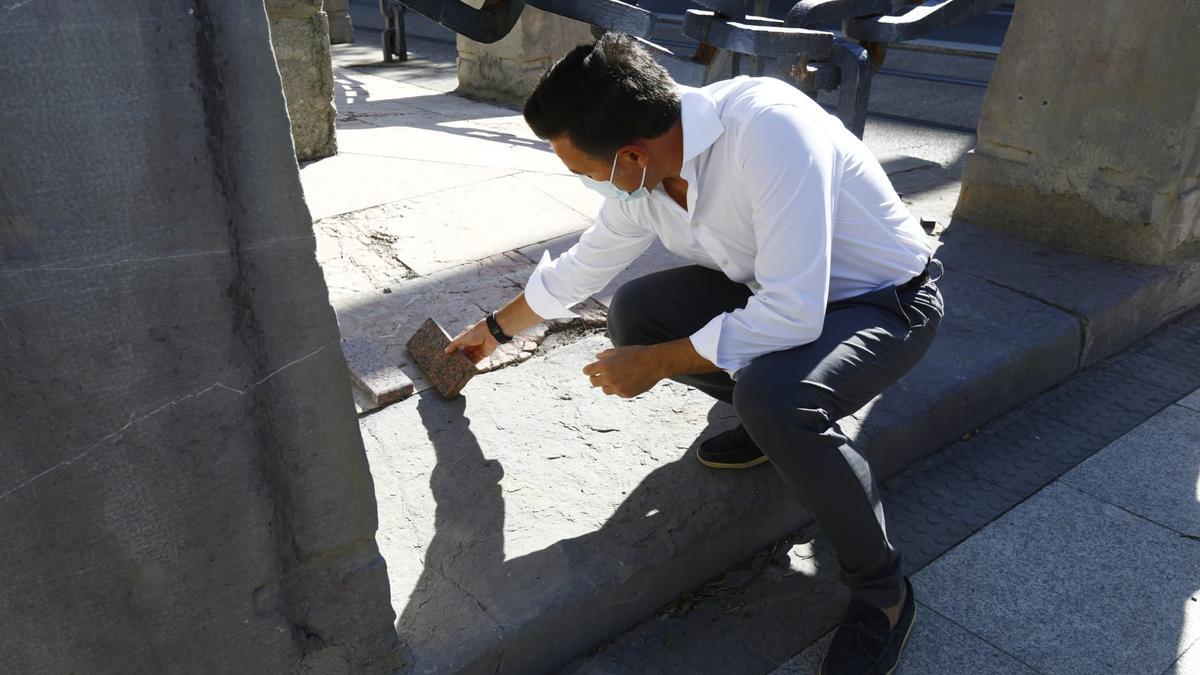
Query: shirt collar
{"points": [[701, 126]]}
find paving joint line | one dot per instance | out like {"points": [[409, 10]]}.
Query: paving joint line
{"points": [[979, 637], [1085, 324], [1171, 666], [1060, 481]]}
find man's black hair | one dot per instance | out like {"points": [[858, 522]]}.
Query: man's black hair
{"points": [[604, 95]]}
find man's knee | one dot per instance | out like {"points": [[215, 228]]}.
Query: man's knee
{"points": [[627, 314], [764, 398]]}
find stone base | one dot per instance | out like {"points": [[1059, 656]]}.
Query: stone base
{"points": [[508, 70], [998, 193], [1088, 141]]}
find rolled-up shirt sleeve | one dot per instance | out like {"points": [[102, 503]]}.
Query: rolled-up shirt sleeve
{"points": [[790, 169], [612, 242]]}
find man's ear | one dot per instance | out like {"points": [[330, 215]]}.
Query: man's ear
{"points": [[635, 154]]}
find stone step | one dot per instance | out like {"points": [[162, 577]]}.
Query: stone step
{"points": [[534, 518]]}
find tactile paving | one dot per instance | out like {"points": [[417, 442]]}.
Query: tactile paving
{"points": [[1104, 401], [1167, 361], [942, 500]]}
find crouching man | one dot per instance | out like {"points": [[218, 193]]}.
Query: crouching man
{"points": [[809, 293]]}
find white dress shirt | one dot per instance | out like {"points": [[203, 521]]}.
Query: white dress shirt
{"points": [[780, 197]]}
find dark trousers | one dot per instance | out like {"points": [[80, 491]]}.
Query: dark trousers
{"points": [[790, 400]]}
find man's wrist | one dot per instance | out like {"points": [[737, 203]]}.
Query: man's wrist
{"points": [[679, 357], [664, 356]]}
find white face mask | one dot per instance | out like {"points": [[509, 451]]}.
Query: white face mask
{"points": [[610, 189]]}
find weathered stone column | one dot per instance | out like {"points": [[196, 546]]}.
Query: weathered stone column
{"points": [[300, 36], [507, 70], [1090, 134], [183, 487]]}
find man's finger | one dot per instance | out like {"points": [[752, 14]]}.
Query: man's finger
{"points": [[591, 368]]}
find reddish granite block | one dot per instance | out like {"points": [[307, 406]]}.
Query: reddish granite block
{"points": [[374, 372], [448, 373]]}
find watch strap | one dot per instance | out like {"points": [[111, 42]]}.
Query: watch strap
{"points": [[494, 329]]}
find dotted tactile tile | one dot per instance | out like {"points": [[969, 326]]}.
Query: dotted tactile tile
{"points": [[1165, 361], [945, 488], [919, 533], [1023, 451], [1103, 401], [1186, 327]]}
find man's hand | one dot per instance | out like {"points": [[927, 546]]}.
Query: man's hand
{"points": [[475, 342], [626, 371]]}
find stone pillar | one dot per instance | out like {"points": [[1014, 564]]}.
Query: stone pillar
{"points": [[183, 487], [507, 70], [1090, 133], [300, 36], [341, 30]]}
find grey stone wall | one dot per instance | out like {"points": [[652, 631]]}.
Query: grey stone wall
{"points": [[300, 35], [183, 487], [1090, 133]]}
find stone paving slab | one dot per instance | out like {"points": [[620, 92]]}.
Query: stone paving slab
{"points": [[1070, 584], [354, 260], [374, 373], [936, 645], [1191, 400], [1188, 664], [1118, 302], [532, 517], [463, 224], [1153, 471], [432, 139], [349, 182]]}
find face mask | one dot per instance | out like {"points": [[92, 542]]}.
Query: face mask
{"points": [[611, 191]]}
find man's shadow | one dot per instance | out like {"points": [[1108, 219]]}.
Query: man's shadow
{"points": [[466, 583]]}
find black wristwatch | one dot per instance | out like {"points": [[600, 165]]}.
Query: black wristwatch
{"points": [[494, 329]]}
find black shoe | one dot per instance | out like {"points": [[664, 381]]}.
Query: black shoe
{"points": [[863, 643], [732, 449]]}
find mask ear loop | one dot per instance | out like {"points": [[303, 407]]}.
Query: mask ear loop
{"points": [[613, 174], [941, 269]]}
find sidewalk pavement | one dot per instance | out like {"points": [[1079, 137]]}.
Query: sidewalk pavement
{"points": [[1098, 572], [532, 519]]}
